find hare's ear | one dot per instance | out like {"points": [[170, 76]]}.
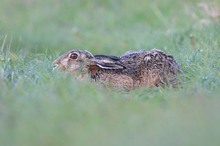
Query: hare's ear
{"points": [[107, 62], [109, 66]]}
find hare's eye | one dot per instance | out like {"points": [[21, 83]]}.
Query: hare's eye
{"points": [[74, 56]]}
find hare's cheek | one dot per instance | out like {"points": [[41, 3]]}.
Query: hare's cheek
{"points": [[73, 67]]}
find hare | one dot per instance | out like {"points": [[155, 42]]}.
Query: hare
{"points": [[131, 70]]}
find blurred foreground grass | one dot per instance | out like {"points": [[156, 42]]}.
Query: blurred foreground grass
{"points": [[41, 107]]}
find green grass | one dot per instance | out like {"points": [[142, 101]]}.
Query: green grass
{"points": [[42, 107]]}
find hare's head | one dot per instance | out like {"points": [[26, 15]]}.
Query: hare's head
{"points": [[73, 60]]}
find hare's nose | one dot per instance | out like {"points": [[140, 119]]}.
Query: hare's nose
{"points": [[55, 66]]}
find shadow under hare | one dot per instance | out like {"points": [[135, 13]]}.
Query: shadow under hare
{"points": [[131, 70]]}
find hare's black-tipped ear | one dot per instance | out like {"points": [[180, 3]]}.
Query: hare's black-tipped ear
{"points": [[107, 62]]}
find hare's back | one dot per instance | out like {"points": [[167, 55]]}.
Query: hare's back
{"points": [[133, 59], [152, 57]]}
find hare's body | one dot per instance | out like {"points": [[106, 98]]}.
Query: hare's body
{"points": [[133, 69]]}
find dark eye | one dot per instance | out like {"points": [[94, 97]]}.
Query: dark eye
{"points": [[74, 56]]}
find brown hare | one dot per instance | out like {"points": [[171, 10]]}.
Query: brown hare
{"points": [[131, 70]]}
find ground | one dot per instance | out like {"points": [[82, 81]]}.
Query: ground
{"points": [[41, 107]]}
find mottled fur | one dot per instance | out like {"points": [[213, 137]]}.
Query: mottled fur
{"points": [[131, 70]]}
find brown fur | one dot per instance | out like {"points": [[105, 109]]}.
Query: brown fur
{"points": [[131, 70]]}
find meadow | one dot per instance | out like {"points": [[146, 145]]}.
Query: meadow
{"points": [[41, 107]]}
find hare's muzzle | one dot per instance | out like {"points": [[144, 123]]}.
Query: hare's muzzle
{"points": [[55, 66]]}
